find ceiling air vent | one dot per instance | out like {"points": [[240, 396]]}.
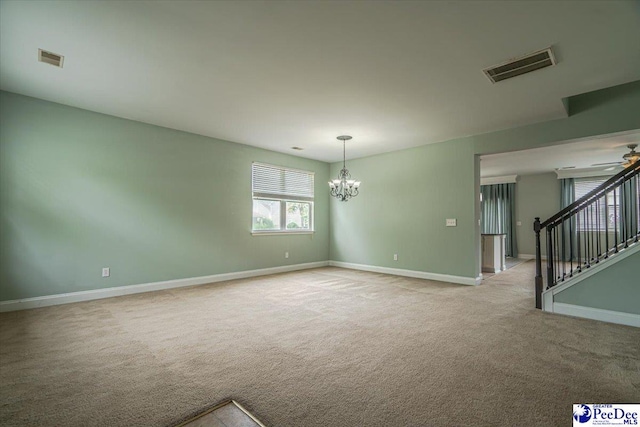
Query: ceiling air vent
{"points": [[50, 58], [523, 65]]}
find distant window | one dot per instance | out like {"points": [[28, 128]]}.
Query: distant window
{"points": [[282, 199], [588, 220]]}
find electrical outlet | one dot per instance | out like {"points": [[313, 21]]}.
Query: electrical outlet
{"points": [[286, 254], [395, 257], [451, 222], [106, 272]]}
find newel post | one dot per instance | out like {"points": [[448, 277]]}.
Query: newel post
{"points": [[536, 228]]}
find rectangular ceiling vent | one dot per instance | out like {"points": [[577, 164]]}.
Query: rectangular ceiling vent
{"points": [[50, 58], [519, 66]]}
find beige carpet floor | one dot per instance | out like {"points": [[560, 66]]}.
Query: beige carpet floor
{"points": [[324, 347]]}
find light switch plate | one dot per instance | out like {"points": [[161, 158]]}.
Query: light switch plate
{"points": [[451, 222], [518, 223]]}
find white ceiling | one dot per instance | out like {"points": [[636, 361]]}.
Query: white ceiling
{"points": [[575, 156], [281, 74]]}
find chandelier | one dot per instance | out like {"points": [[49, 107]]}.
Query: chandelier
{"points": [[344, 187]]}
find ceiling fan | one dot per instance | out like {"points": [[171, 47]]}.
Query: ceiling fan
{"points": [[629, 158]]}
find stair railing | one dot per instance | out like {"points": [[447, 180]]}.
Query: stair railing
{"points": [[588, 231]]}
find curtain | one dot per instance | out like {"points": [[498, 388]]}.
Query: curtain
{"points": [[498, 214], [569, 226], [567, 193], [629, 196]]}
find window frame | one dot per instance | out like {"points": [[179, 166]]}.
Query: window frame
{"points": [[283, 199]]}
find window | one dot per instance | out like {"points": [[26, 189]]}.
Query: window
{"points": [[282, 199], [609, 204]]}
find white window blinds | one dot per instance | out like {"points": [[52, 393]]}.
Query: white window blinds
{"points": [[609, 206], [585, 186], [275, 182]]}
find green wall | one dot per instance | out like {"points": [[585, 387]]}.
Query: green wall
{"points": [[407, 195], [80, 191], [610, 289], [536, 196], [405, 198]]}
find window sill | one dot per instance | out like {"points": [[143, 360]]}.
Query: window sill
{"points": [[280, 233]]}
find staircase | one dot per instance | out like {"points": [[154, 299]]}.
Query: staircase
{"points": [[591, 235]]}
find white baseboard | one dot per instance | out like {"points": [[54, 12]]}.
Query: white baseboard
{"points": [[531, 256], [48, 300], [597, 314], [547, 301], [410, 273]]}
